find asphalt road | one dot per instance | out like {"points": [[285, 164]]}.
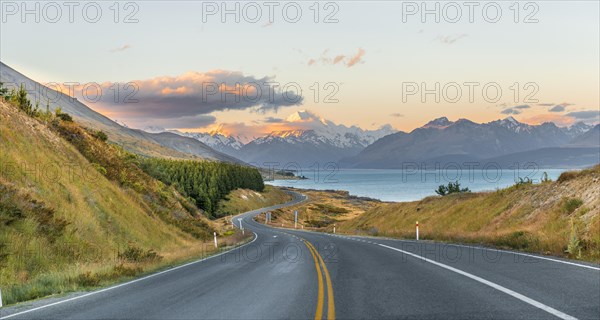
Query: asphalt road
{"points": [[304, 275]]}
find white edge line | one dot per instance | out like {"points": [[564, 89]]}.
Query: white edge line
{"points": [[492, 249], [127, 283], [498, 287]]}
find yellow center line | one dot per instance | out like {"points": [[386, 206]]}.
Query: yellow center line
{"points": [[320, 296], [330, 299]]}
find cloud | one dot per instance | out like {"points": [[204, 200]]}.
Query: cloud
{"points": [[396, 115], [557, 108], [515, 109], [342, 59], [199, 121], [584, 115], [558, 119], [338, 58], [546, 104], [272, 120], [122, 48], [450, 39], [511, 111], [193, 94], [357, 58]]}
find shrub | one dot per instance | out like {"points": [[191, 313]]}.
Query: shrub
{"points": [[65, 117], [136, 254], [101, 135], [566, 176], [452, 187], [87, 279], [570, 205], [523, 182]]}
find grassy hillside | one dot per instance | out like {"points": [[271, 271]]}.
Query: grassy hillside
{"points": [[560, 218], [322, 210], [243, 200], [76, 211]]}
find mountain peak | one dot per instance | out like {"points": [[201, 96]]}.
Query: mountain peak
{"points": [[511, 119], [438, 123]]}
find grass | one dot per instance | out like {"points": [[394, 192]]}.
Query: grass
{"points": [[243, 200], [559, 218], [77, 213]]}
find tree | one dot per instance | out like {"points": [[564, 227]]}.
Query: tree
{"points": [[22, 101], [452, 187], [3, 90]]}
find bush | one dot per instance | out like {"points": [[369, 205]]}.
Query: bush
{"points": [[570, 205], [101, 135], [87, 279], [136, 254], [566, 176], [523, 182], [452, 187], [65, 117]]}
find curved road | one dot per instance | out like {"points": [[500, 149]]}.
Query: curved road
{"points": [[304, 275]]}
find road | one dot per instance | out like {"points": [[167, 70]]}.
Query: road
{"points": [[295, 274]]}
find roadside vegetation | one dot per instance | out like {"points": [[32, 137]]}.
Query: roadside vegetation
{"points": [[205, 182], [78, 212], [560, 218], [242, 200]]}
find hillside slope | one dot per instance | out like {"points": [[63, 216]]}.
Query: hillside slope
{"points": [[560, 218], [67, 222], [168, 145]]}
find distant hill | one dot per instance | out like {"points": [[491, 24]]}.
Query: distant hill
{"points": [[507, 141], [137, 141]]}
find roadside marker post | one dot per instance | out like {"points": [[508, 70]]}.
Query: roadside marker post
{"points": [[241, 227], [0, 298], [334, 228], [215, 234], [296, 219], [417, 226]]}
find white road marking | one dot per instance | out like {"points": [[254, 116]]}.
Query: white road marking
{"points": [[491, 284], [126, 283]]}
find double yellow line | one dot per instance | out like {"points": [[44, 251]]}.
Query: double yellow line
{"points": [[319, 263]]}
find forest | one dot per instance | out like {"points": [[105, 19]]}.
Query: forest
{"points": [[206, 182]]}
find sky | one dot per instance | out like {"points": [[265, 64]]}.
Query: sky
{"points": [[186, 65]]}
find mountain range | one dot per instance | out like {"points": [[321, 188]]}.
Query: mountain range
{"points": [[312, 139], [306, 139], [505, 142]]}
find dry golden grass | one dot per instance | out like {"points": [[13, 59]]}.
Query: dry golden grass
{"points": [[64, 224], [322, 210], [543, 218]]}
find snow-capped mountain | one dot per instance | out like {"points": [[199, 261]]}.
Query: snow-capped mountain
{"points": [[577, 129], [318, 131], [442, 141], [227, 144], [313, 140], [222, 143]]}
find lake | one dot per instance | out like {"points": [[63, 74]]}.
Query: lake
{"points": [[402, 185]]}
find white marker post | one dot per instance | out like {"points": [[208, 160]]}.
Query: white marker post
{"points": [[0, 298], [296, 219], [215, 234], [334, 228], [241, 227], [417, 230]]}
